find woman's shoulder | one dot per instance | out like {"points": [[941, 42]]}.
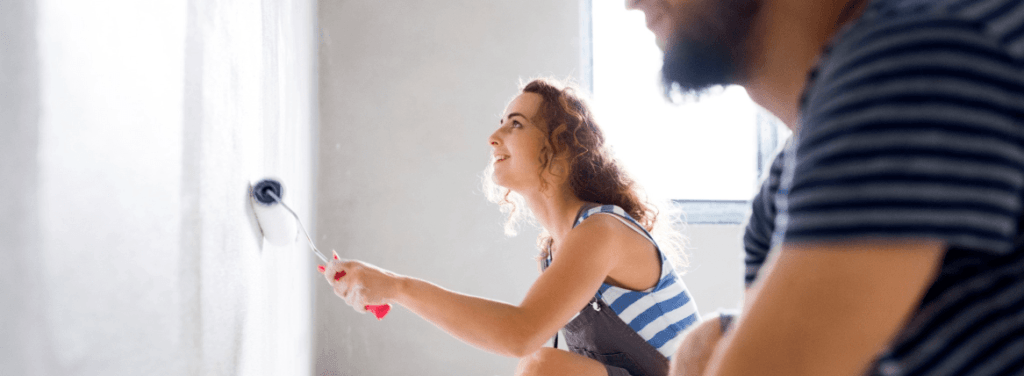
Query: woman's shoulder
{"points": [[614, 217], [604, 226]]}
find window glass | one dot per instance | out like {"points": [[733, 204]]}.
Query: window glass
{"points": [[701, 149]]}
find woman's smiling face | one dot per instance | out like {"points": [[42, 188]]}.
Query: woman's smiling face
{"points": [[517, 144]]}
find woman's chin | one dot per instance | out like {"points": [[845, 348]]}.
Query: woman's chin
{"points": [[505, 184], [499, 179]]}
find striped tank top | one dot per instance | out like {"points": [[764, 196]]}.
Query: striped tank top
{"points": [[659, 314]]}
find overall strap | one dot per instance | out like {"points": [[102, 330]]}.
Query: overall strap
{"points": [[547, 261], [619, 214]]}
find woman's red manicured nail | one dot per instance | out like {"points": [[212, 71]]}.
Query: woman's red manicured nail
{"points": [[338, 275], [321, 268], [336, 256]]}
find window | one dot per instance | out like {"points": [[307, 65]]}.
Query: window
{"points": [[704, 154]]}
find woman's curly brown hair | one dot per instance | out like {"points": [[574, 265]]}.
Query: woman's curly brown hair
{"points": [[594, 173]]}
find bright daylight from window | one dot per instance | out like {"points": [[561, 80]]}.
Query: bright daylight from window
{"points": [[699, 150]]}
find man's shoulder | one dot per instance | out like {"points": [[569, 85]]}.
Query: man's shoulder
{"points": [[999, 23], [900, 51], [981, 11]]}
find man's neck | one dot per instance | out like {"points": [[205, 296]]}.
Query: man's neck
{"points": [[788, 37]]}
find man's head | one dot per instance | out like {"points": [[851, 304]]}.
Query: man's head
{"points": [[706, 42]]}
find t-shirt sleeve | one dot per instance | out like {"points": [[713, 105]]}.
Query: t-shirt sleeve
{"points": [[757, 237], [913, 130]]}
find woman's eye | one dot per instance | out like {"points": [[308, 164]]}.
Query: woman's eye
{"points": [[516, 124]]}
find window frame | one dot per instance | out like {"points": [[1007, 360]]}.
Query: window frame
{"points": [[716, 212]]}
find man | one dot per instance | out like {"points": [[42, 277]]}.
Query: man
{"points": [[893, 215]]}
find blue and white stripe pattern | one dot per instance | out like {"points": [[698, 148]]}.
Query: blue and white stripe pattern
{"points": [[659, 314], [914, 129]]}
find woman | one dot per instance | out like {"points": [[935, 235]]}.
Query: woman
{"points": [[602, 274]]}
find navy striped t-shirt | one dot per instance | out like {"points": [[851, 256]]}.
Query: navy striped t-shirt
{"points": [[913, 127]]}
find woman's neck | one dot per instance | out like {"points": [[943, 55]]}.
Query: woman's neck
{"points": [[554, 211]]}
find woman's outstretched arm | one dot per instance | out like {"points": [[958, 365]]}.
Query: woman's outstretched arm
{"points": [[587, 255]]}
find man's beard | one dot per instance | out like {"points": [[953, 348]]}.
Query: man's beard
{"points": [[708, 48]]}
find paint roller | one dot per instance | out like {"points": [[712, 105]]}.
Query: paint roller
{"points": [[279, 226]]}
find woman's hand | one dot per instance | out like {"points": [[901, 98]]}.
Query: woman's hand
{"points": [[360, 284]]}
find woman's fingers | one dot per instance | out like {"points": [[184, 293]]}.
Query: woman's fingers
{"points": [[342, 289], [333, 273], [329, 271], [323, 268], [355, 298], [361, 287], [335, 270]]}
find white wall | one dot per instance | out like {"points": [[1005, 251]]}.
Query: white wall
{"points": [[22, 351], [715, 274], [131, 131], [409, 92], [138, 125]]}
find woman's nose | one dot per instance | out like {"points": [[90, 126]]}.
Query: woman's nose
{"points": [[493, 139]]}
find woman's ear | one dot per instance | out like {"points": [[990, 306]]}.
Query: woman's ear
{"points": [[558, 169], [559, 165]]}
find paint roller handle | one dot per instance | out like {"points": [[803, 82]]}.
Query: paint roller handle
{"points": [[379, 310], [266, 195]]}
